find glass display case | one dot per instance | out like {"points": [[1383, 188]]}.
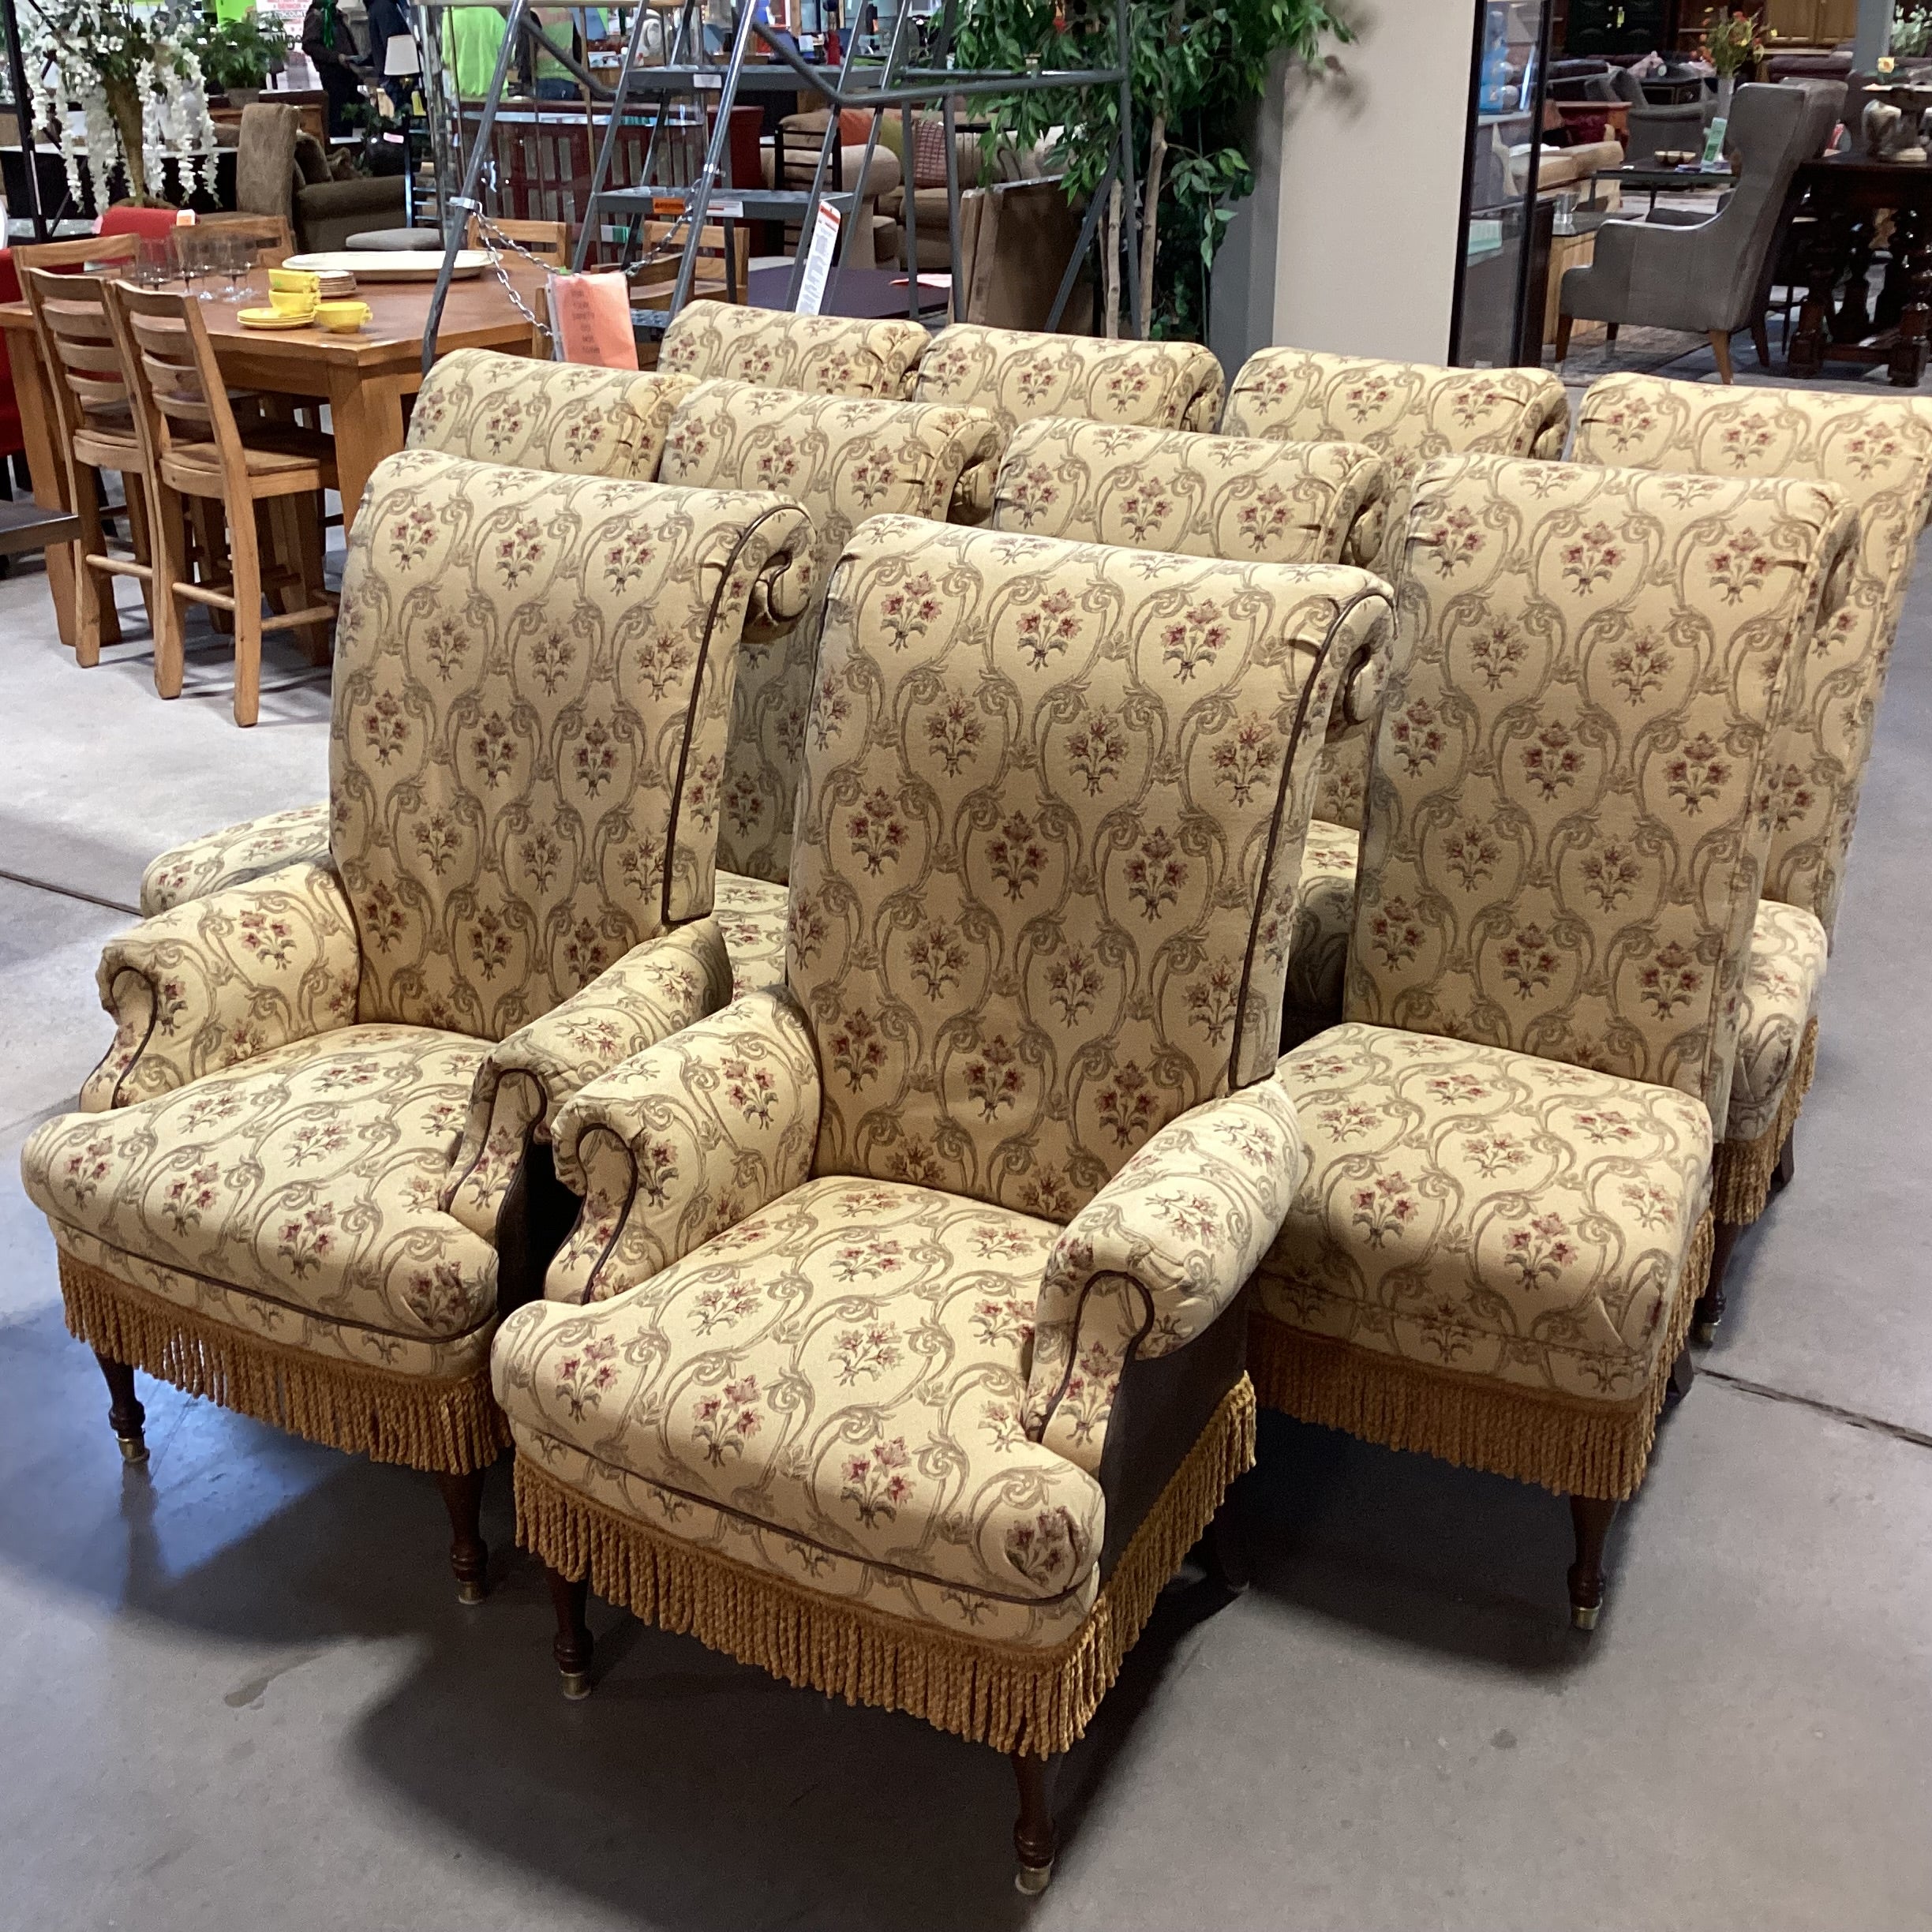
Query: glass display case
{"points": [[1498, 316]]}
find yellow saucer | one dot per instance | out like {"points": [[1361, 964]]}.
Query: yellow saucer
{"points": [[272, 319]]}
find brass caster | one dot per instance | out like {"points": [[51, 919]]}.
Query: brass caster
{"points": [[576, 1685], [1706, 1333], [133, 1448], [1585, 1618], [1032, 1880], [470, 1593]]}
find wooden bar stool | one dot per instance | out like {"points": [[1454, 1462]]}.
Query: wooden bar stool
{"points": [[94, 411], [268, 484]]}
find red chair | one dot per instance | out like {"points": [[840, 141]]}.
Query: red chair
{"points": [[151, 224], [13, 443]]}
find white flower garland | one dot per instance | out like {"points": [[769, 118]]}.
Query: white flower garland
{"points": [[63, 80]]}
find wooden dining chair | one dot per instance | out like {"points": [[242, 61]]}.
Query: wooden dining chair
{"points": [[93, 404], [547, 241], [268, 484], [723, 262], [274, 240]]}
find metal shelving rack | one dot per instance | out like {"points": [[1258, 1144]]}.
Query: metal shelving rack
{"points": [[20, 101], [874, 83]]}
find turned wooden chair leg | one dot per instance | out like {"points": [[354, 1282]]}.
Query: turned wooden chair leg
{"points": [[245, 572], [93, 597], [125, 1416], [170, 571], [1590, 1518], [1036, 1843], [462, 1497], [1710, 1304], [1720, 348], [573, 1645]]}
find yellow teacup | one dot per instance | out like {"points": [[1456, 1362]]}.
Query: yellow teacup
{"points": [[342, 318], [292, 302]]}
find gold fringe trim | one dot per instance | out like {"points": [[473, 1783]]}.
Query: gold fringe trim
{"points": [[1573, 1447], [450, 1427], [1742, 1171], [1001, 1694]]}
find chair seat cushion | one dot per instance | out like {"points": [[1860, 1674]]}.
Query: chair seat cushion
{"points": [[1469, 1208], [831, 1391], [1788, 950], [295, 1193], [751, 913]]}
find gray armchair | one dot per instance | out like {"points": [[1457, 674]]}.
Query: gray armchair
{"points": [[1708, 279]]}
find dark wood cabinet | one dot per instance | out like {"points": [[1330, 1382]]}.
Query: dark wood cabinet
{"points": [[1619, 26]]}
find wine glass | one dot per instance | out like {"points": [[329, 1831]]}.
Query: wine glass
{"points": [[153, 263]]}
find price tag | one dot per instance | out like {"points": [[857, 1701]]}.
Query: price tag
{"points": [[818, 262], [714, 81]]}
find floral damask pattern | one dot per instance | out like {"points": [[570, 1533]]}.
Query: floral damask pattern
{"points": [[1032, 797], [533, 687], [234, 856], [654, 990], [1478, 1210], [1408, 413], [1880, 456], [1780, 998], [1565, 845], [555, 416], [305, 1178], [219, 980], [819, 355], [1018, 374], [842, 460], [841, 1376], [1324, 913], [1156, 1256], [680, 1144], [751, 913], [1193, 495]]}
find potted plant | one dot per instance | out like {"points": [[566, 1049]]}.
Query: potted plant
{"points": [[238, 55], [121, 86], [1199, 68], [1733, 43]]}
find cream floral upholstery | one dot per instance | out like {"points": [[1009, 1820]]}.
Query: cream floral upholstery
{"points": [[1018, 374], [824, 1373], [843, 460], [821, 355], [1880, 455], [1194, 495], [1495, 1254], [751, 913], [1409, 413], [235, 855], [555, 416], [251, 1205]]}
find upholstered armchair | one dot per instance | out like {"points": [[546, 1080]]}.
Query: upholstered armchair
{"points": [[1018, 374], [1409, 413], [844, 459], [1504, 1222], [821, 355], [298, 1184], [561, 416], [894, 1351], [1880, 456]]}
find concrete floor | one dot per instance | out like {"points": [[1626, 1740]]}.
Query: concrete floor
{"points": [[236, 1689]]}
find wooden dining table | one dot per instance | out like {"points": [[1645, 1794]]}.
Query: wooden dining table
{"points": [[362, 377]]}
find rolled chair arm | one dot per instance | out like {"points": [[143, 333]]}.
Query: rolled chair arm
{"points": [[525, 1081], [684, 1141], [224, 979], [1156, 1255], [235, 855]]}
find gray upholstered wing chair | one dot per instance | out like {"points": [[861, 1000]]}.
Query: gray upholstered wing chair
{"points": [[1707, 278]]}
